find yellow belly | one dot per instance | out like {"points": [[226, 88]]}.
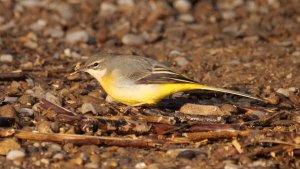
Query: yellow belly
{"points": [[144, 93]]}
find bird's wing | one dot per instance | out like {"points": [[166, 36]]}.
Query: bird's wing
{"points": [[160, 74]]}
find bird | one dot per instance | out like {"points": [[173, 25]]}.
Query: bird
{"points": [[135, 80]]}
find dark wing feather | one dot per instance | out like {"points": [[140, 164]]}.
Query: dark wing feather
{"points": [[162, 75]]}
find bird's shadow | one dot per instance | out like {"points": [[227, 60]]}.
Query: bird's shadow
{"points": [[205, 98]]}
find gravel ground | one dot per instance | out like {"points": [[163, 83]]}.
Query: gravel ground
{"points": [[249, 46]]}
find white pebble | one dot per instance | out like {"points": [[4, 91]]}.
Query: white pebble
{"points": [[15, 155], [131, 39], [181, 61], [77, 36], [182, 6], [6, 58], [125, 2], [284, 92], [140, 165], [58, 156], [51, 98], [188, 18], [27, 111], [88, 107], [107, 9]]}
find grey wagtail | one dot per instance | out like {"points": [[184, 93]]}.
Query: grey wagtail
{"points": [[135, 80]]}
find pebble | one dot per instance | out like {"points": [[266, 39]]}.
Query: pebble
{"points": [[26, 100], [15, 155], [91, 165], [196, 109], [9, 99], [175, 53], [54, 148], [228, 108], [8, 144], [44, 127], [181, 61], [188, 18], [140, 165], [182, 6], [125, 2], [251, 39], [228, 14], [284, 92], [131, 39], [53, 99], [77, 36], [6, 58], [38, 25], [58, 156], [7, 111], [231, 166], [187, 154], [88, 107], [55, 32], [107, 9], [26, 112]]}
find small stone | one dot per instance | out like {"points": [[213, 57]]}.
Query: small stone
{"points": [[229, 108], [38, 25], [10, 99], [228, 14], [7, 111], [53, 99], [181, 61], [91, 165], [187, 154], [182, 6], [77, 36], [26, 112], [54, 148], [175, 53], [131, 39], [15, 155], [8, 144], [140, 165], [26, 100], [188, 18], [55, 32], [58, 156], [6, 58], [251, 39], [284, 92], [88, 107], [196, 109], [107, 9], [44, 127], [231, 166], [125, 2], [296, 54]]}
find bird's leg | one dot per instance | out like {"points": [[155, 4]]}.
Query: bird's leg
{"points": [[133, 108]]}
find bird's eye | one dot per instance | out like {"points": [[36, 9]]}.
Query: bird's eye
{"points": [[95, 64]]}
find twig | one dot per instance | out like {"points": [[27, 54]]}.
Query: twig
{"points": [[12, 76], [216, 134], [84, 139]]}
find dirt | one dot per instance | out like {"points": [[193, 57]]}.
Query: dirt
{"points": [[248, 46]]}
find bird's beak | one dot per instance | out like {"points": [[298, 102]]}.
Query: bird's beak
{"points": [[78, 68]]}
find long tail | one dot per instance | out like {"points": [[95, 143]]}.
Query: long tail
{"points": [[204, 87]]}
